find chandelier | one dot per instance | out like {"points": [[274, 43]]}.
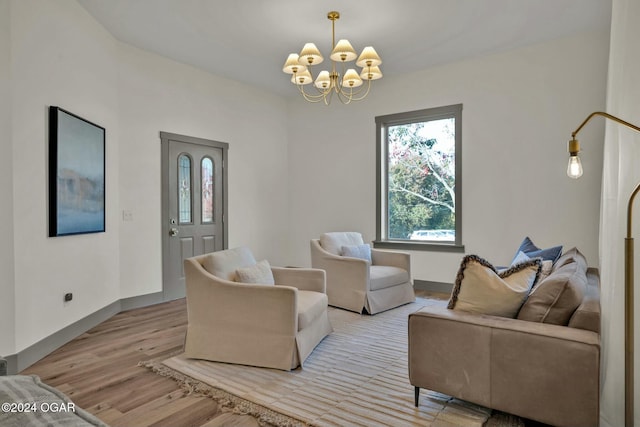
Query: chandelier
{"points": [[347, 84]]}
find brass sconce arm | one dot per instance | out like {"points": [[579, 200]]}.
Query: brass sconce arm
{"points": [[608, 116]]}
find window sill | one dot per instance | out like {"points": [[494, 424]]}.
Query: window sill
{"points": [[413, 245]]}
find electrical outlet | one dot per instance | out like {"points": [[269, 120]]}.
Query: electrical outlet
{"points": [[127, 215], [68, 297]]}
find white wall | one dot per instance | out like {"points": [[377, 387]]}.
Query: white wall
{"points": [[519, 109], [157, 94], [7, 289], [59, 56]]}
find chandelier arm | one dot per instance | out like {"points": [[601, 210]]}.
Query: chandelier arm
{"points": [[356, 96], [309, 96], [350, 95]]}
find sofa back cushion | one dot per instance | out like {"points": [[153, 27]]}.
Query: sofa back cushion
{"points": [[334, 241], [555, 299], [587, 315], [572, 255], [223, 264]]}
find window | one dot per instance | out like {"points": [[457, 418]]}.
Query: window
{"points": [[206, 173], [184, 189], [419, 179]]}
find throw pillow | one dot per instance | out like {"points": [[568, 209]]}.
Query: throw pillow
{"points": [[358, 251], [259, 273], [556, 298], [572, 255], [547, 266], [479, 288], [532, 251]]}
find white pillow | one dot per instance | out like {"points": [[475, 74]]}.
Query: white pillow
{"points": [[259, 273], [362, 251], [479, 288]]}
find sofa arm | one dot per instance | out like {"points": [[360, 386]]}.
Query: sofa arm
{"points": [[3, 366], [304, 279], [544, 372]]}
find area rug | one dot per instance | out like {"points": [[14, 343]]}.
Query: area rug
{"points": [[357, 376]]}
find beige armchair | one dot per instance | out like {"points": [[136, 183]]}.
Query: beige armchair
{"points": [[274, 326], [356, 284]]}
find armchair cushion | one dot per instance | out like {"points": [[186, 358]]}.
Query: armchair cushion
{"points": [[479, 288], [259, 273], [334, 241], [362, 251], [311, 305], [384, 276]]}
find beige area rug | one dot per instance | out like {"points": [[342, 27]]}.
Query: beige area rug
{"points": [[357, 376]]}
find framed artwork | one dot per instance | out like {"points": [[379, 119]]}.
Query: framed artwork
{"points": [[76, 174]]}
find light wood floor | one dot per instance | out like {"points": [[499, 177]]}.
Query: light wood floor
{"points": [[99, 372]]}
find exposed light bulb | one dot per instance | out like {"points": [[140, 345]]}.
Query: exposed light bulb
{"points": [[574, 168]]}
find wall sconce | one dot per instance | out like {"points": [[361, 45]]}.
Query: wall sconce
{"points": [[574, 170]]}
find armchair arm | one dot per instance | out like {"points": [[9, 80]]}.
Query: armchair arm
{"points": [[392, 258], [304, 279], [507, 364]]}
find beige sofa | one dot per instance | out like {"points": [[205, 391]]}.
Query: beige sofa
{"points": [[274, 326], [540, 371], [356, 284]]}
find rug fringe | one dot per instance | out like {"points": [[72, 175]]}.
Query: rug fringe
{"points": [[228, 401]]}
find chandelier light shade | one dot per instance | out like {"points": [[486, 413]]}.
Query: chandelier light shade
{"points": [[574, 170], [347, 83]]}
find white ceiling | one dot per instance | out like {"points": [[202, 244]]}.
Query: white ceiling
{"points": [[249, 40]]}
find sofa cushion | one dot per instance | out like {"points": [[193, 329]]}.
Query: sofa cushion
{"points": [[385, 276], [572, 255], [334, 241], [556, 298], [223, 264], [259, 273], [311, 305], [587, 315], [479, 288], [362, 251], [527, 246]]}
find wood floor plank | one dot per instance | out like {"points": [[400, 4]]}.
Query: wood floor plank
{"points": [[99, 371]]}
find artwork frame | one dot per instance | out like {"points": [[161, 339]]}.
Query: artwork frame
{"points": [[76, 174]]}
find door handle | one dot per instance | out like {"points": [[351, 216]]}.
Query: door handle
{"points": [[173, 232]]}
